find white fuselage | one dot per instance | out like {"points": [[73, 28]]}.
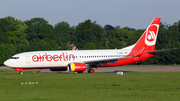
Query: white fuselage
{"points": [[62, 58]]}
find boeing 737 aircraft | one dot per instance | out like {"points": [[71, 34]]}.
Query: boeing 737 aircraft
{"points": [[81, 60]]}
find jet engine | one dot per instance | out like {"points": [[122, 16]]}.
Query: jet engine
{"points": [[77, 67]]}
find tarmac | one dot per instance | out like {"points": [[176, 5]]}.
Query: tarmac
{"points": [[115, 69]]}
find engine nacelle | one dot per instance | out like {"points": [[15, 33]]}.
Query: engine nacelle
{"points": [[76, 67]]}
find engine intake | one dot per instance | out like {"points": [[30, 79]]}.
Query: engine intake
{"points": [[76, 67]]}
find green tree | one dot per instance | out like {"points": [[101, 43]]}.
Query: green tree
{"points": [[114, 43], [89, 32], [6, 51], [38, 29], [133, 38], [62, 31], [123, 35], [18, 35], [90, 45]]}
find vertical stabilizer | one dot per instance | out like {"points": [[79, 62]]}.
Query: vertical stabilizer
{"points": [[148, 40]]}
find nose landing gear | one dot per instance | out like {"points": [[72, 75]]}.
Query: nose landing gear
{"points": [[18, 69], [21, 72]]}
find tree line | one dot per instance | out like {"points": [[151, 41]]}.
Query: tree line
{"points": [[37, 34]]}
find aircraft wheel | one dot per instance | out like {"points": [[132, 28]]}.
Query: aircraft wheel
{"points": [[21, 72], [90, 70]]}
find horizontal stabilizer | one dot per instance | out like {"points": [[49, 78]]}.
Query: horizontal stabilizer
{"points": [[151, 52]]}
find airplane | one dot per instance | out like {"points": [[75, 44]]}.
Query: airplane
{"points": [[82, 60]]}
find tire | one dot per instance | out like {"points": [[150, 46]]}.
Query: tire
{"points": [[21, 72], [90, 70]]}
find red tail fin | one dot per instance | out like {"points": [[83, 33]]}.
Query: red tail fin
{"points": [[148, 40]]}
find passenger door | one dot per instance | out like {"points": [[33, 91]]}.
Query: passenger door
{"points": [[28, 58]]}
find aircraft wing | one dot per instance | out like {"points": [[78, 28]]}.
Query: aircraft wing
{"points": [[113, 60], [104, 61], [151, 52]]}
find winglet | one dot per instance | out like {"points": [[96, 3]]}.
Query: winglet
{"points": [[74, 48]]}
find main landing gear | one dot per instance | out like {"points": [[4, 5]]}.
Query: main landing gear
{"points": [[90, 70]]}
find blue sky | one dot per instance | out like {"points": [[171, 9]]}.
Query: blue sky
{"points": [[132, 13]]}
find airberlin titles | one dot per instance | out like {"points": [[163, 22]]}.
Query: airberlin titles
{"points": [[55, 57]]}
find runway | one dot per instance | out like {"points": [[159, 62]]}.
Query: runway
{"points": [[115, 69]]}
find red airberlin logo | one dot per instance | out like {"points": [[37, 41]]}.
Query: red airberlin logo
{"points": [[151, 33], [55, 57]]}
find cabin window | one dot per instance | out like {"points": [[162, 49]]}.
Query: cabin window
{"points": [[14, 58]]}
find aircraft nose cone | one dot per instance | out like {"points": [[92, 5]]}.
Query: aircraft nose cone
{"points": [[7, 63]]}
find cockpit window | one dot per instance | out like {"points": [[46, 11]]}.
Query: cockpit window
{"points": [[14, 57]]}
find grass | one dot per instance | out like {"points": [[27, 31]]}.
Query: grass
{"points": [[133, 86]]}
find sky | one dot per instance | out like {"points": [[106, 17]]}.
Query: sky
{"points": [[131, 13]]}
